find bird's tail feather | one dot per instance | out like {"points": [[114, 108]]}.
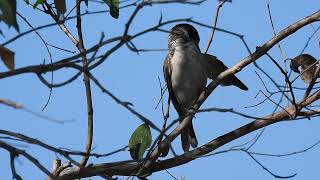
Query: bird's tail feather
{"points": [[188, 137], [233, 80], [192, 136], [185, 140], [240, 85]]}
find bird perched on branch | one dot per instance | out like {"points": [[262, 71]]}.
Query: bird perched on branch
{"points": [[308, 66], [186, 71]]}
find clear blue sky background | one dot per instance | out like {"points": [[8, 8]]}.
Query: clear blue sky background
{"points": [[134, 78]]}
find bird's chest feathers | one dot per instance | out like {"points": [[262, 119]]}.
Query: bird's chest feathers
{"points": [[186, 65], [188, 75]]}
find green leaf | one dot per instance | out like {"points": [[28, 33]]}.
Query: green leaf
{"points": [[8, 13], [7, 57], [114, 7], [38, 2], [139, 141]]}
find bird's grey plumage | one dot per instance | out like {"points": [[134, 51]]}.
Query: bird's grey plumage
{"points": [[186, 71], [308, 65], [184, 75]]}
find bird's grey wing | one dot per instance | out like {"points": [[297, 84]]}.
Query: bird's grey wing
{"points": [[167, 70], [214, 67]]}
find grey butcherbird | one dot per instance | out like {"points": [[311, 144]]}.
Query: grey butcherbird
{"points": [[308, 66], [186, 71]]}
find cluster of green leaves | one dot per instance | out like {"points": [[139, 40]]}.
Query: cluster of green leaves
{"points": [[61, 6], [8, 11]]}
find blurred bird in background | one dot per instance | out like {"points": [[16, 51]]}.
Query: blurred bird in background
{"points": [[307, 64], [186, 71]]}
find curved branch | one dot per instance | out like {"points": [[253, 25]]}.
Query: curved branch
{"points": [[86, 80]]}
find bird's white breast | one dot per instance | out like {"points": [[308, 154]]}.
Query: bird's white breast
{"points": [[188, 76]]}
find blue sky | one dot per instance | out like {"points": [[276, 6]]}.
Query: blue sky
{"points": [[134, 78]]}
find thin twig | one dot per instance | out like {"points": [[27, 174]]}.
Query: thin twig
{"points": [[32, 159], [21, 107], [220, 4], [287, 82], [86, 80], [266, 169], [49, 53]]}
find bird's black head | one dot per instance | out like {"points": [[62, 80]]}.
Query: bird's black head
{"points": [[294, 66], [184, 33]]}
